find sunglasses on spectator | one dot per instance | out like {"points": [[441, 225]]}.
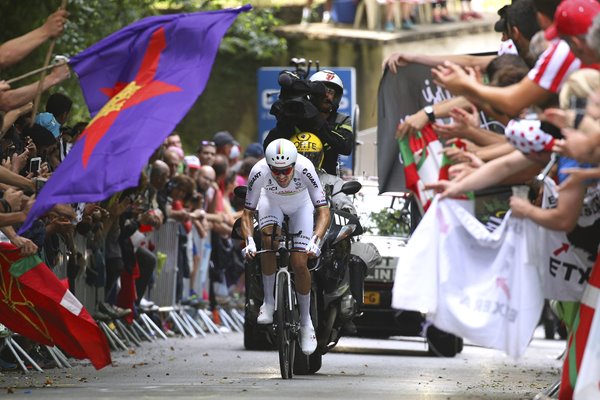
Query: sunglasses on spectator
{"points": [[208, 143], [282, 171]]}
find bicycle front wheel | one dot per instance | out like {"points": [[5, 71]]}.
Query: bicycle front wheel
{"points": [[285, 326]]}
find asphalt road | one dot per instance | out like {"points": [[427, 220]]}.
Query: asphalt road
{"points": [[217, 366]]}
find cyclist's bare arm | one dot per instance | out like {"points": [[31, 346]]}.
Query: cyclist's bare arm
{"points": [[322, 221]]}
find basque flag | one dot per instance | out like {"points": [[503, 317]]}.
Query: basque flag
{"points": [[35, 304]]}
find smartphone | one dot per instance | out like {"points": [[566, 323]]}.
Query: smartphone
{"points": [[34, 165], [39, 184]]}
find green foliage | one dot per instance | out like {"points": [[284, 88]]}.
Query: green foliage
{"points": [[389, 222]]}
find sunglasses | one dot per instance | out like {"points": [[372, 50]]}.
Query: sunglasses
{"points": [[282, 171], [208, 143]]}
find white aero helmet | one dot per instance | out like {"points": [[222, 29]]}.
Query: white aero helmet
{"points": [[281, 153]]}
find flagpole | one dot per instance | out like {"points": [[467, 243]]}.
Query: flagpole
{"points": [[35, 71], [38, 93]]}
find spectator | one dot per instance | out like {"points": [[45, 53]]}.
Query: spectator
{"points": [[207, 149], [254, 150], [307, 10], [224, 142]]}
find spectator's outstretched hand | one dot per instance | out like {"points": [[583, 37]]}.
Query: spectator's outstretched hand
{"points": [[458, 172], [19, 161], [577, 145], [412, 124], [451, 77], [26, 246], [396, 60], [556, 116], [55, 24], [579, 175], [59, 74], [455, 154], [14, 198], [444, 188], [4, 86]]}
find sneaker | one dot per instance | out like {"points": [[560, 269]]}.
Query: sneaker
{"points": [[144, 303], [407, 25], [308, 339], [475, 15], [265, 315], [389, 26], [446, 18], [113, 311], [4, 331]]}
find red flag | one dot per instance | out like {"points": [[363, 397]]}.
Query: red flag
{"points": [[128, 294], [579, 336], [35, 304]]}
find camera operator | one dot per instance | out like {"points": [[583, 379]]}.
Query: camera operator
{"points": [[312, 107]]}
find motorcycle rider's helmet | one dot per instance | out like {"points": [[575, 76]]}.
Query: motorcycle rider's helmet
{"points": [[330, 80], [310, 146], [281, 153]]}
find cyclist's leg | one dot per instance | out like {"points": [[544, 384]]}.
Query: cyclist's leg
{"points": [[269, 216], [302, 221]]}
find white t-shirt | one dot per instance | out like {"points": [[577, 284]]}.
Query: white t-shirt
{"points": [[261, 182], [554, 66]]}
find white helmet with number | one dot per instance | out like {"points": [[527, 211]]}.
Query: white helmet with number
{"points": [[281, 153], [328, 77], [331, 80]]}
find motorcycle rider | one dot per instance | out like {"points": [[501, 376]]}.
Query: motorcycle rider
{"points": [[285, 182], [332, 128]]}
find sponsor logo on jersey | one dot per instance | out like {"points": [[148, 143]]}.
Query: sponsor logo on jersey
{"points": [[310, 177], [254, 178]]}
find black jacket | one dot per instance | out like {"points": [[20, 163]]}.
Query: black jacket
{"points": [[335, 133]]}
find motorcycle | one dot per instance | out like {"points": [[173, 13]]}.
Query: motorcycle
{"points": [[337, 284]]}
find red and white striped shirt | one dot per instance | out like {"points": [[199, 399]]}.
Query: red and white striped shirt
{"points": [[554, 66]]}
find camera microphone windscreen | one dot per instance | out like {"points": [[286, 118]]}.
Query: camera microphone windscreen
{"points": [[285, 80]]}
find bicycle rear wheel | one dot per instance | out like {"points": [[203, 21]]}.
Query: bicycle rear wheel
{"points": [[284, 329]]}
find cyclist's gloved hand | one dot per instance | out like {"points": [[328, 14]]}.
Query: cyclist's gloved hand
{"points": [[313, 249], [250, 250]]}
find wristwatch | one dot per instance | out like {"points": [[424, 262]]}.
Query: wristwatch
{"points": [[429, 112]]}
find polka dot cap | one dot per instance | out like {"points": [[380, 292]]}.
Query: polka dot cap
{"points": [[527, 136]]}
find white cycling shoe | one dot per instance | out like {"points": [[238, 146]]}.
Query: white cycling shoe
{"points": [[265, 314], [308, 339]]}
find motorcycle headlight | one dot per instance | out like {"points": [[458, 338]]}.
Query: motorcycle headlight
{"points": [[344, 232]]}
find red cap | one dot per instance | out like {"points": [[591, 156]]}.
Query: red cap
{"points": [[573, 18]]}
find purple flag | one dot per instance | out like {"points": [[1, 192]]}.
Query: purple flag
{"points": [[138, 84]]}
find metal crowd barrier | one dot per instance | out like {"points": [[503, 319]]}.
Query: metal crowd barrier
{"points": [[162, 293]]}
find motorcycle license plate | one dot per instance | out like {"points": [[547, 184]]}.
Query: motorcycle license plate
{"points": [[372, 298]]}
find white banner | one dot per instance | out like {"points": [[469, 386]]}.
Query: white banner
{"points": [[565, 263], [481, 285]]}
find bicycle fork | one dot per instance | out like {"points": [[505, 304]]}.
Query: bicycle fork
{"points": [[289, 292]]}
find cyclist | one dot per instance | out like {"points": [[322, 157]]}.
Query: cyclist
{"points": [[332, 128], [285, 182]]}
